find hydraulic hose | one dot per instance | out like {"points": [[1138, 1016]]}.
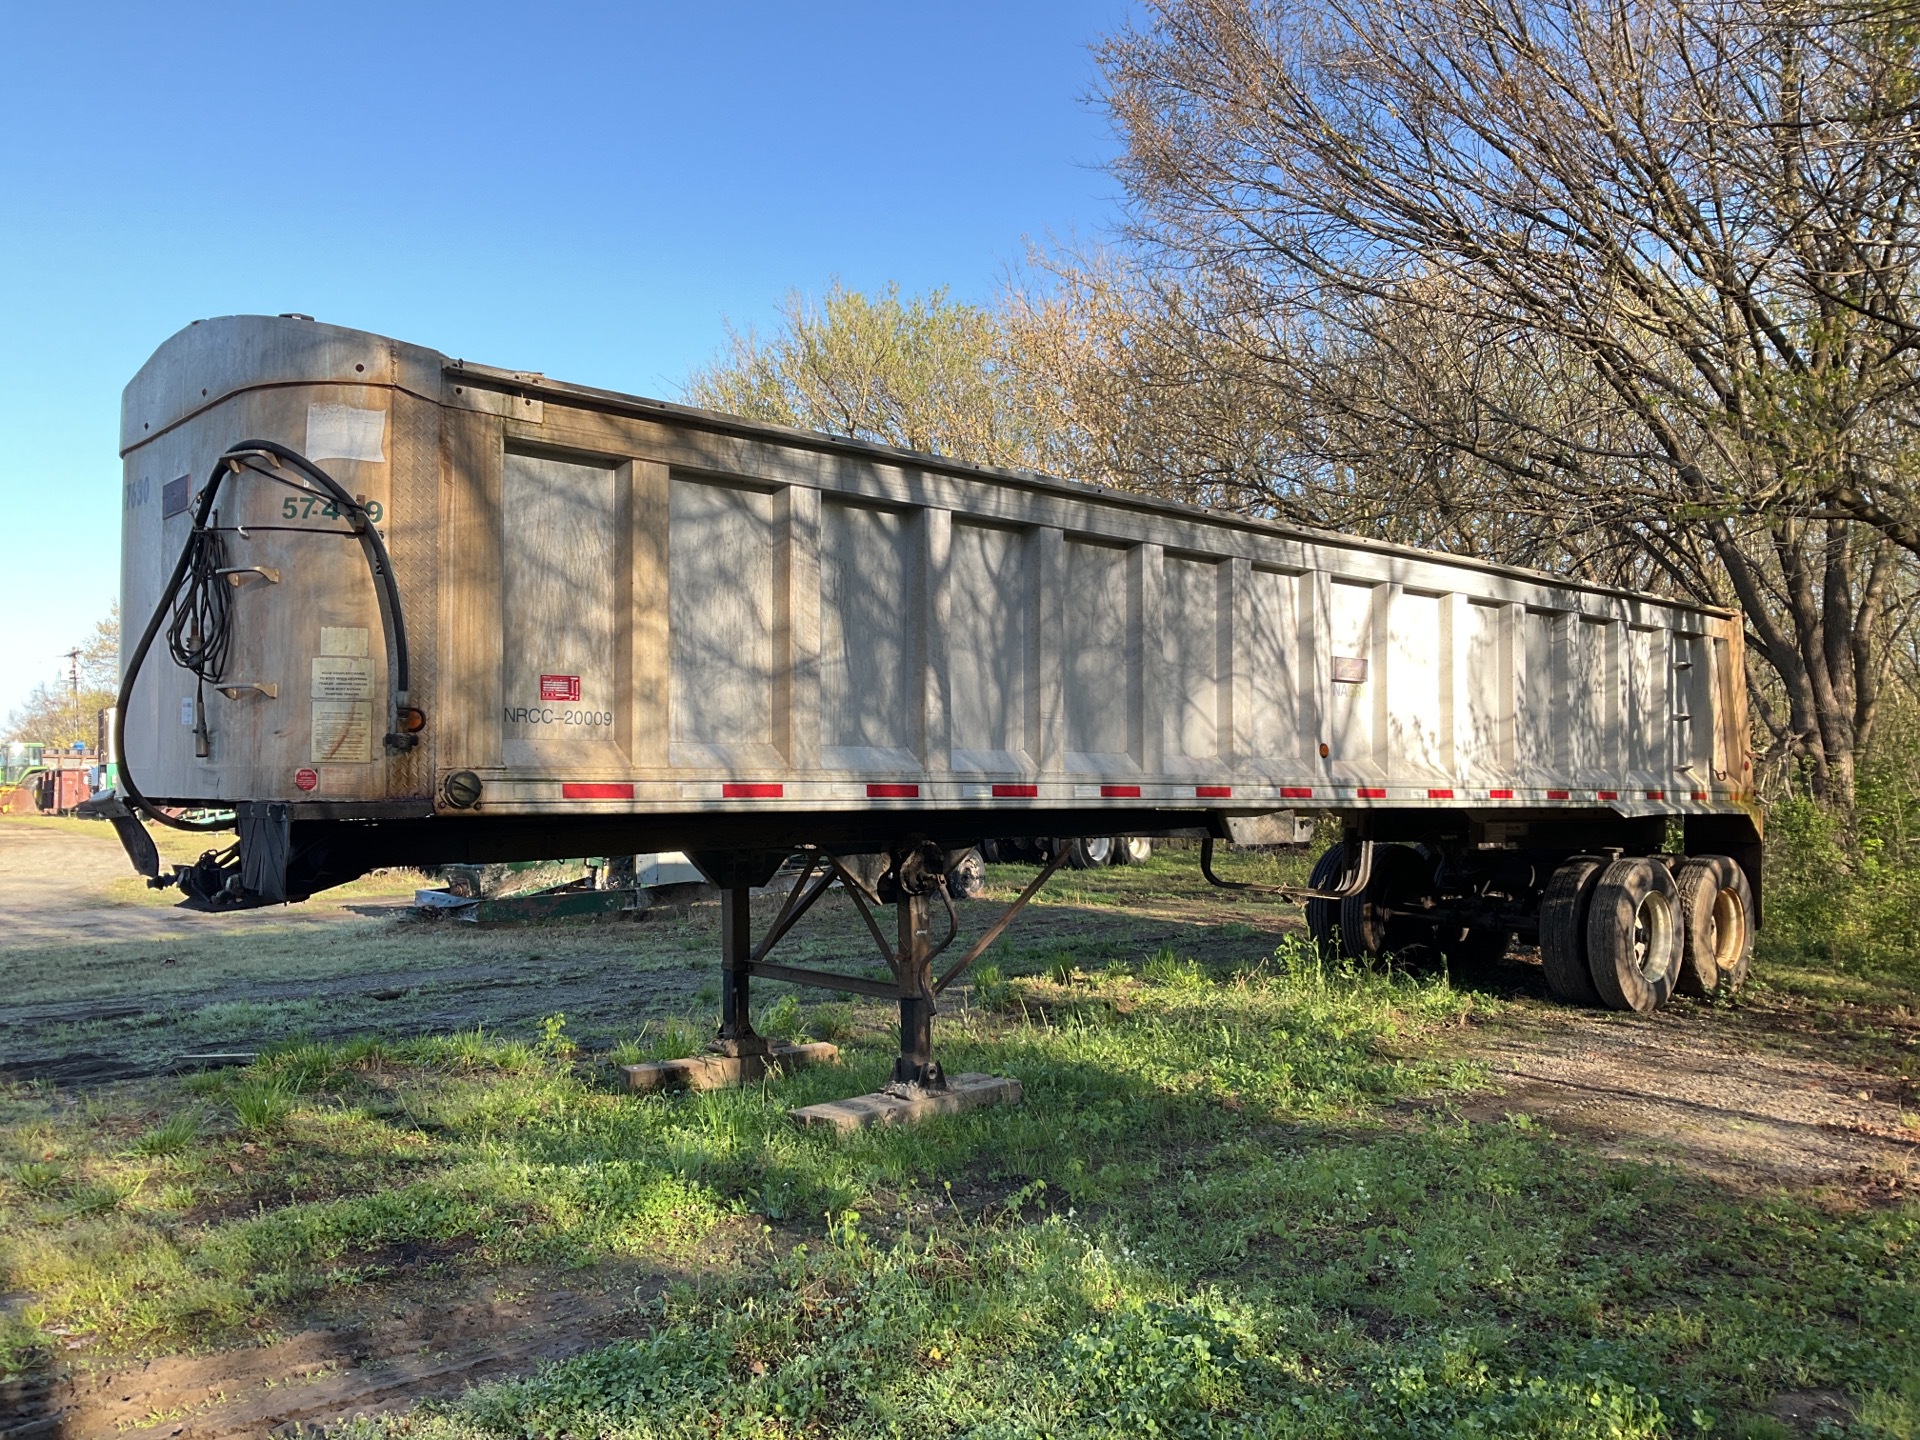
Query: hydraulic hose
{"points": [[212, 647]]}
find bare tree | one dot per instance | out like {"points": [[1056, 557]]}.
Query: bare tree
{"points": [[1698, 215], [65, 711]]}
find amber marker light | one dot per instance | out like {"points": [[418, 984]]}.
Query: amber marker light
{"points": [[412, 721]]}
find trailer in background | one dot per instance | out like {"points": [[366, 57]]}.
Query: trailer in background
{"points": [[431, 612]]}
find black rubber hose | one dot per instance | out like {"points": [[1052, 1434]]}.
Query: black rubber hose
{"points": [[392, 621]]}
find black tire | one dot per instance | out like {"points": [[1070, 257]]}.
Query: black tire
{"points": [[1089, 852], [1563, 931], [1132, 850], [1633, 935], [1323, 916], [1716, 925], [966, 874], [990, 851], [1401, 877]]}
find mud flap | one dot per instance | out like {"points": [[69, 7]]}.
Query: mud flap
{"points": [[266, 834]]}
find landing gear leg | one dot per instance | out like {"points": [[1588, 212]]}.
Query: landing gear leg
{"points": [[737, 1036], [916, 1070]]}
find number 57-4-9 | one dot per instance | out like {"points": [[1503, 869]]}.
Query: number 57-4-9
{"points": [[307, 507]]}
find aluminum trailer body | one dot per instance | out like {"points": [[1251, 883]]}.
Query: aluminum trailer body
{"points": [[631, 625]]}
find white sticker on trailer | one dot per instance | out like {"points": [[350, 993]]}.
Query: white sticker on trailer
{"points": [[343, 639], [186, 710], [342, 677], [342, 732], [346, 432]]}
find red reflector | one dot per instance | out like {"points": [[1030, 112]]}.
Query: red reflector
{"points": [[1606, 794], [1439, 794], [1369, 792], [1214, 792], [1296, 792], [732, 791], [1016, 792], [596, 792], [1701, 795], [893, 792], [1119, 792], [1559, 794], [1656, 794], [1499, 794]]}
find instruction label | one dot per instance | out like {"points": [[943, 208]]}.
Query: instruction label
{"points": [[342, 677], [342, 732]]}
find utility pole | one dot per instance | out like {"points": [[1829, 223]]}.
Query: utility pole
{"points": [[73, 682]]}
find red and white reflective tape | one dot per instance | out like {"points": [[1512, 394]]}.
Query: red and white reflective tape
{"points": [[574, 790]]}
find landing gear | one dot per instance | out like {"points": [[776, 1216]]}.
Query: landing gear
{"points": [[914, 880]]}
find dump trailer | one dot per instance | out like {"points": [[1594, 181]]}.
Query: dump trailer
{"points": [[405, 609]]}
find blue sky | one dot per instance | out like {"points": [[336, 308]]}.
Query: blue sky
{"points": [[586, 190]]}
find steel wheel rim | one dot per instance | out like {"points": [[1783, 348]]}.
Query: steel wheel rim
{"points": [[1729, 928], [1652, 936]]}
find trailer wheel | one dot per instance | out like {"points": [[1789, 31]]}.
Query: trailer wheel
{"points": [[966, 874], [1401, 878], [1132, 850], [1563, 931], [1089, 852], [1716, 926], [1633, 935], [1323, 916]]}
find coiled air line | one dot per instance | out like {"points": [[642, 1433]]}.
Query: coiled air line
{"points": [[199, 635]]}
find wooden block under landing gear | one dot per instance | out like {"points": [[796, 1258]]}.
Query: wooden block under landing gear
{"points": [[963, 1092], [720, 1072]]}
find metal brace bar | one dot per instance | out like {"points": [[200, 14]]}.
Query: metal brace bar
{"points": [[789, 916], [994, 931], [1352, 884], [825, 980], [859, 892]]}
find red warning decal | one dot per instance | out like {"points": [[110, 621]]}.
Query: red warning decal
{"points": [[305, 779], [565, 688]]}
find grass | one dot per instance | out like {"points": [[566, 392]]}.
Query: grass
{"points": [[1209, 1218], [1214, 1214]]}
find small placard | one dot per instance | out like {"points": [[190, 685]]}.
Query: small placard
{"points": [[563, 688], [343, 640], [346, 432], [1349, 670], [342, 677], [186, 709], [175, 496], [342, 732]]}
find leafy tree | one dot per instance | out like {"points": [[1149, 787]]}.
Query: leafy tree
{"points": [[927, 374]]}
